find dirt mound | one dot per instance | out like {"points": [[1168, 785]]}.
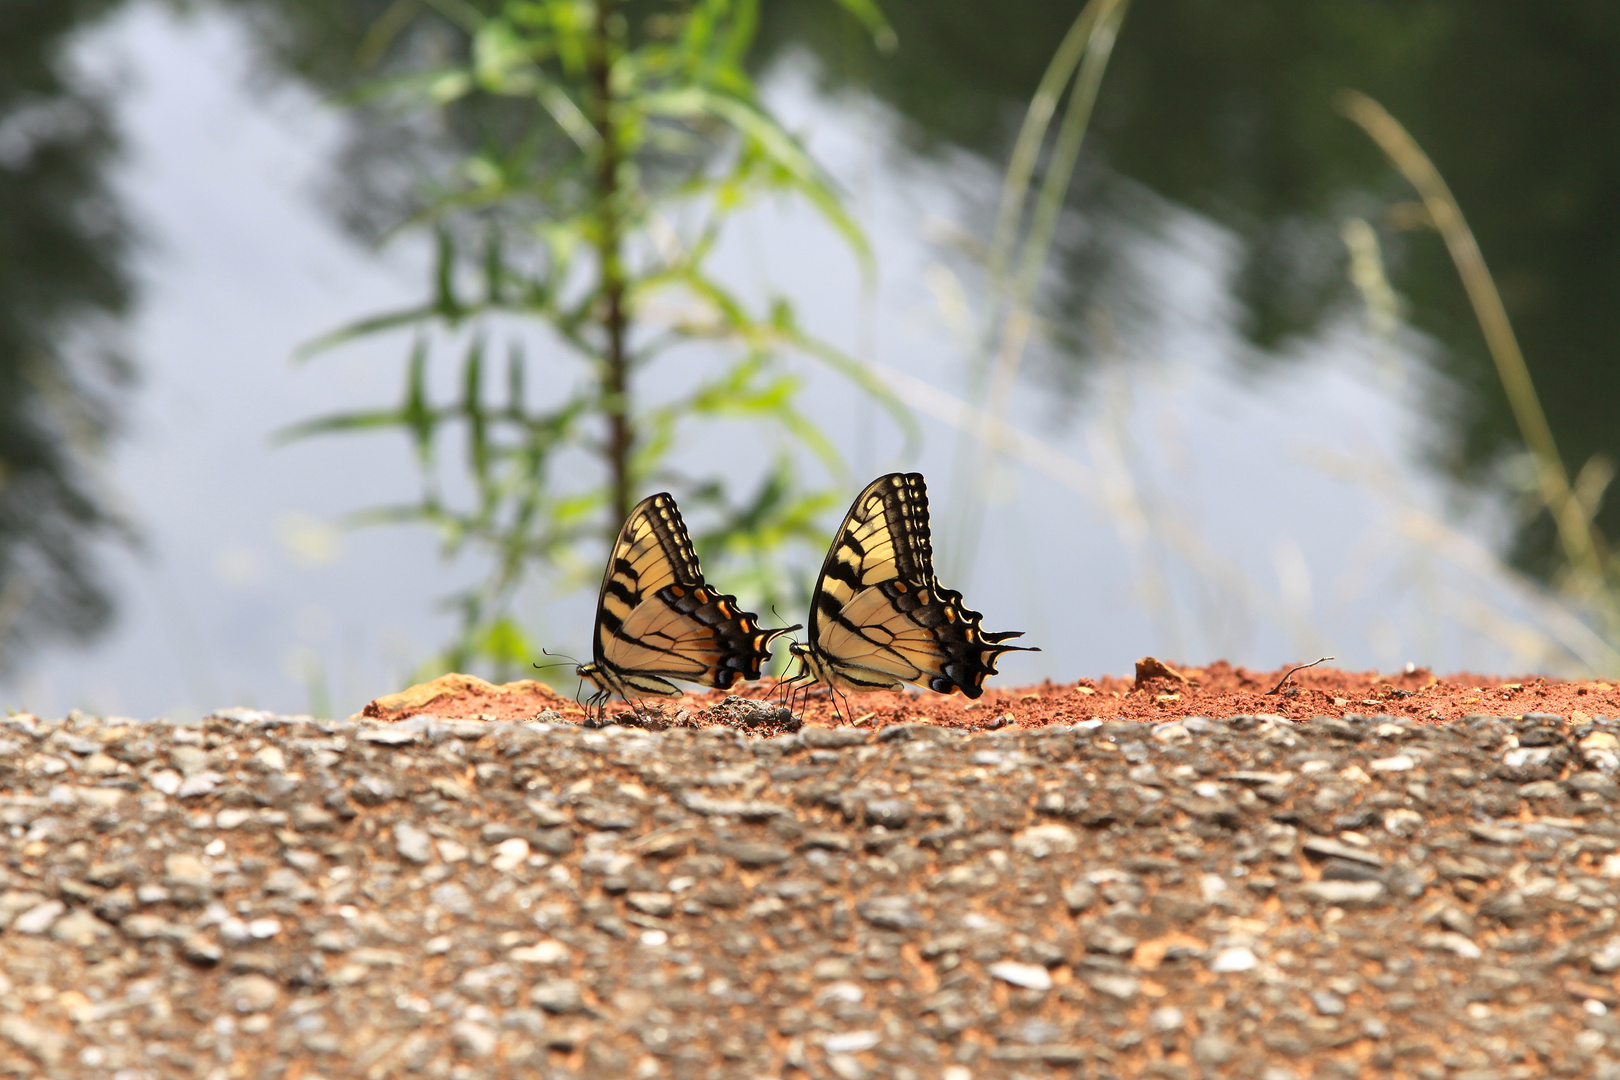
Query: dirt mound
{"points": [[1159, 691], [467, 697]]}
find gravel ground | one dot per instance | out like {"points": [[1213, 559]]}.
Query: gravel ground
{"points": [[268, 896]]}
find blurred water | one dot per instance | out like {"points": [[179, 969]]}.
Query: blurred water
{"points": [[241, 582], [1178, 467]]}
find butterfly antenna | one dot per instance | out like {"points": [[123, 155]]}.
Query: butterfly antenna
{"points": [[565, 656]]}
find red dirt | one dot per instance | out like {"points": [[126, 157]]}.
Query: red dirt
{"points": [[1218, 689], [467, 697]]}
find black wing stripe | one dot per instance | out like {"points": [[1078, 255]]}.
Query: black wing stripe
{"points": [[657, 618], [847, 573], [891, 517]]}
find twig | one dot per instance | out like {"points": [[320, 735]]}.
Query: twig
{"points": [[1284, 680]]}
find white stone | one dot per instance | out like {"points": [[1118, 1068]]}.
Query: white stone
{"points": [[1453, 942], [1397, 763], [79, 928], [510, 854], [843, 990], [413, 843], [1527, 756], [473, 1039], [1237, 958], [166, 780], [1167, 1018], [251, 993], [1402, 822], [232, 817], [541, 952], [100, 798], [1355, 774], [1344, 893], [183, 869], [38, 919], [852, 1042], [200, 784], [271, 759], [1039, 841], [1029, 976]]}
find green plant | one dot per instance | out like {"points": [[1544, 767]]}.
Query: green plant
{"points": [[600, 150]]}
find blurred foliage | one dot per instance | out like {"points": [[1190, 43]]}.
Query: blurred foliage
{"points": [[1588, 575], [1222, 108], [597, 153], [63, 283], [1228, 109]]}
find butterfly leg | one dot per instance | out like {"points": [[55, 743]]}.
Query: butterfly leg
{"points": [[787, 690], [837, 715], [596, 709]]}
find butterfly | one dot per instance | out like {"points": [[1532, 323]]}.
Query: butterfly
{"points": [[879, 617], [656, 618]]}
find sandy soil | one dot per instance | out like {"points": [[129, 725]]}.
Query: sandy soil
{"points": [[1159, 691]]}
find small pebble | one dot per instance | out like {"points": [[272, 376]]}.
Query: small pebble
{"points": [[1237, 958], [1029, 976], [507, 897]]}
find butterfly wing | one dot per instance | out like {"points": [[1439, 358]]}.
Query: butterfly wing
{"points": [[656, 618], [879, 617]]}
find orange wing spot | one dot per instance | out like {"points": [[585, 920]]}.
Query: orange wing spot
{"points": [[900, 586], [725, 609], [950, 614], [677, 590], [922, 597], [971, 634], [700, 596]]}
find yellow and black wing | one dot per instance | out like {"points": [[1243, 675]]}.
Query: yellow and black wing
{"points": [[879, 617], [656, 618]]}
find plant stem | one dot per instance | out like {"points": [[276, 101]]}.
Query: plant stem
{"points": [[615, 376]]}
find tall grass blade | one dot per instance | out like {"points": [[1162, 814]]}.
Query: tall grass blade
{"points": [[1577, 534]]}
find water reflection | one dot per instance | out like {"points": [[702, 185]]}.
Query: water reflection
{"points": [[1228, 109], [1225, 109], [1216, 194], [63, 283]]}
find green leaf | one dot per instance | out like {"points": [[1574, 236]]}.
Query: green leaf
{"points": [[531, 232], [504, 641], [370, 327], [872, 17], [501, 59], [695, 101]]}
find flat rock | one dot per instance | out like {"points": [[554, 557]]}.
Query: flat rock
{"points": [[503, 899]]}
